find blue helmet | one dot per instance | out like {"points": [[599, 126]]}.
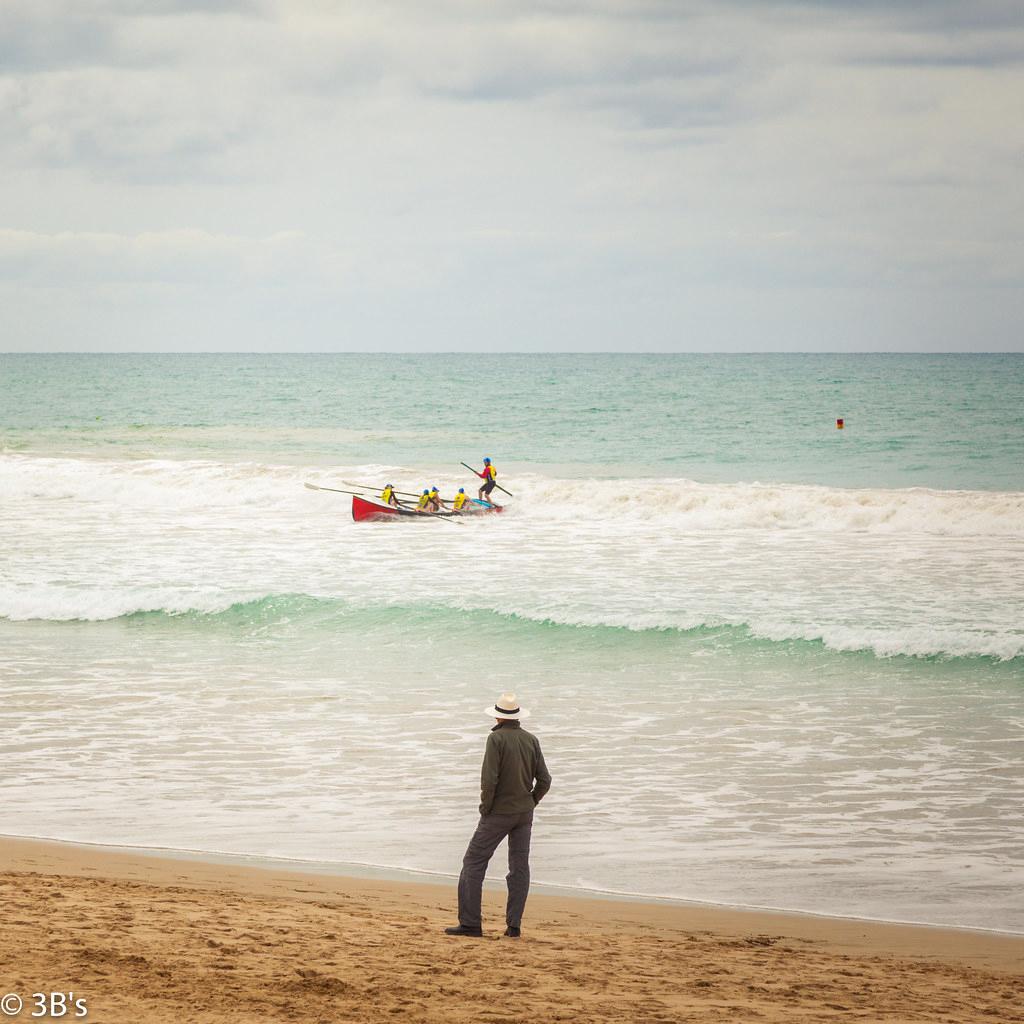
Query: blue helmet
{"points": [[486, 461], [462, 490], [425, 490]]}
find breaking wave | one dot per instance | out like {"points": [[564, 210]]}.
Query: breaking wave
{"points": [[215, 610], [915, 572], [679, 504]]}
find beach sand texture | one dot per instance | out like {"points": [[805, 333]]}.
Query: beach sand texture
{"points": [[159, 939]]}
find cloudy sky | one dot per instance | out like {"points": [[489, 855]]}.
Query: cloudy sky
{"points": [[716, 175]]}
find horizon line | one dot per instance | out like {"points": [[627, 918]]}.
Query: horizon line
{"points": [[514, 352]]}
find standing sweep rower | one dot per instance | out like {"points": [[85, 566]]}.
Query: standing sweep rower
{"points": [[488, 476]]}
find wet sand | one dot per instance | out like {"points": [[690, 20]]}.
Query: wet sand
{"points": [[166, 939]]}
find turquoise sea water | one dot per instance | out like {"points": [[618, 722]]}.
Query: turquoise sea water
{"points": [[772, 663], [945, 421]]}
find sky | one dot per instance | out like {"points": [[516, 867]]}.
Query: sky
{"points": [[611, 175]]}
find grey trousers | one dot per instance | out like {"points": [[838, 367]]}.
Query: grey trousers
{"points": [[491, 830]]}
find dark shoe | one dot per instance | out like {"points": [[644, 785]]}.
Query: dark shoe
{"points": [[462, 929], [512, 932]]}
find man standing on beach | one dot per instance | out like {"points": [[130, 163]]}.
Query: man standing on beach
{"points": [[513, 780]]}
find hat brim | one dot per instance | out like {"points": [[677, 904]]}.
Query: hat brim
{"points": [[493, 712]]}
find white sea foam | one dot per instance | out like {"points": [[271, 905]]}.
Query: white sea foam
{"points": [[687, 505], [66, 604], [677, 504], [915, 572]]}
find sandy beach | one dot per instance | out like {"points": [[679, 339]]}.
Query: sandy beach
{"points": [[157, 938]]}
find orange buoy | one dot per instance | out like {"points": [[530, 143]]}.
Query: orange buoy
{"points": [[839, 424]]}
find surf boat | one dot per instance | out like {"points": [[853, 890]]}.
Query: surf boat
{"points": [[366, 511]]}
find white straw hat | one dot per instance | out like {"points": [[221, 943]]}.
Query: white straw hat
{"points": [[508, 708]]}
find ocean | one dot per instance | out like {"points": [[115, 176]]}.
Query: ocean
{"points": [[772, 663]]}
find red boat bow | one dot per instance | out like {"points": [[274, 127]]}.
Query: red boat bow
{"points": [[364, 511]]}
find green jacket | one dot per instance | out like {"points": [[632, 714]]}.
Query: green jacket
{"points": [[512, 761]]}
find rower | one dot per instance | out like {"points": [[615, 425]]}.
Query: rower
{"points": [[421, 505], [488, 476], [388, 495], [434, 500], [460, 499]]}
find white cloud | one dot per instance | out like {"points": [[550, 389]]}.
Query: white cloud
{"points": [[70, 258], [443, 164]]}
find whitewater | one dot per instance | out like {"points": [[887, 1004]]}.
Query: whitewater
{"points": [[914, 571]]}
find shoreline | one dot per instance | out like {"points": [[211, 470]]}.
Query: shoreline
{"points": [[355, 870]]}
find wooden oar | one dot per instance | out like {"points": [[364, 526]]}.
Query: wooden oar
{"points": [[496, 484], [358, 494], [435, 515], [336, 490], [367, 487]]}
